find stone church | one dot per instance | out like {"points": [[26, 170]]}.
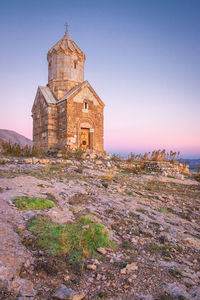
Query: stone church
{"points": [[67, 112]]}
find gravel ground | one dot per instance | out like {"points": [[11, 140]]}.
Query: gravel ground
{"points": [[154, 221]]}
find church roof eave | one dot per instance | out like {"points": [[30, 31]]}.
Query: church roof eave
{"points": [[77, 88], [47, 95]]}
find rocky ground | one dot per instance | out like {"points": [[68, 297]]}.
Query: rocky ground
{"points": [[153, 220]]}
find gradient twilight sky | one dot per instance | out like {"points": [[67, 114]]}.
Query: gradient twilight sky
{"points": [[142, 58]]}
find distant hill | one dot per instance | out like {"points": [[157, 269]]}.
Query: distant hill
{"points": [[14, 137], [193, 163]]}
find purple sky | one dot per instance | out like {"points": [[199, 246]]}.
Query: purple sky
{"points": [[142, 58]]}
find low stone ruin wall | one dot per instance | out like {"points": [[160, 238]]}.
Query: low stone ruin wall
{"points": [[166, 168]]}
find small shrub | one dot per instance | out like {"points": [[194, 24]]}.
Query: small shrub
{"points": [[67, 153], [156, 155], [153, 248], [75, 240], [108, 177], [166, 297], [79, 199], [9, 149], [175, 273], [120, 264], [51, 196], [105, 184], [197, 177], [49, 266], [165, 251], [141, 210], [28, 203], [37, 152], [115, 157], [102, 295], [181, 297], [133, 170], [79, 170], [78, 153], [164, 210], [49, 169], [126, 245]]}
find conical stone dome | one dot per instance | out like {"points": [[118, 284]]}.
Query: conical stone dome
{"points": [[65, 66], [67, 45]]}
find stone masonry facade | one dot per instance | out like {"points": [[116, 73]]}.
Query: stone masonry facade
{"points": [[67, 113]]}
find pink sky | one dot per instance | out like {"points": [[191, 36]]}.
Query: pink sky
{"points": [[142, 60]]}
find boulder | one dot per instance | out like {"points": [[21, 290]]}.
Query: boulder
{"points": [[177, 290], [23, 287], [99, 162], [64, 293]]}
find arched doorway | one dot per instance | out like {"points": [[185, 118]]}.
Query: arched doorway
{"points": [[86, 134], [85, 138]]}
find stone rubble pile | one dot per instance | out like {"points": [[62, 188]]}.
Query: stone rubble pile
{"points": [[93, 161]]}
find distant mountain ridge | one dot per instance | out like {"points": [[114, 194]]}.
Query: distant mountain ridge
{"points": [[14, 137], [193, 163]]}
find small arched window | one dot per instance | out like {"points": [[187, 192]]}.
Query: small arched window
{"points": [[75, 64], [85, 105]]}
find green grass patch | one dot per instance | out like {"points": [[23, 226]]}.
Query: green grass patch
{"points": [[164, 210], [170, 176], [77, 240], [129, 193], [48, 169], [28, 203]]}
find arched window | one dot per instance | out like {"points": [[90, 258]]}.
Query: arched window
{"points": [[75, 64], [85, 105]]}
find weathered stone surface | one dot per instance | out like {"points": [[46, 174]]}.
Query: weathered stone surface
{"points": [[10, 261], [102, 251], [79, 296], [24, 287], [153, 219], [63, 293], [99, 162], [177, 290], [129, 268], [195, 293], [92, 267]]}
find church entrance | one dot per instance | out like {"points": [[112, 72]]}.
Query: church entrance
{"points": [[85, 138]]}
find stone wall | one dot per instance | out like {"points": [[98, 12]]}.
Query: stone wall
{"points": [[78, 117], [40, 124], [62, 125], [65, 70], [52, 126]]}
